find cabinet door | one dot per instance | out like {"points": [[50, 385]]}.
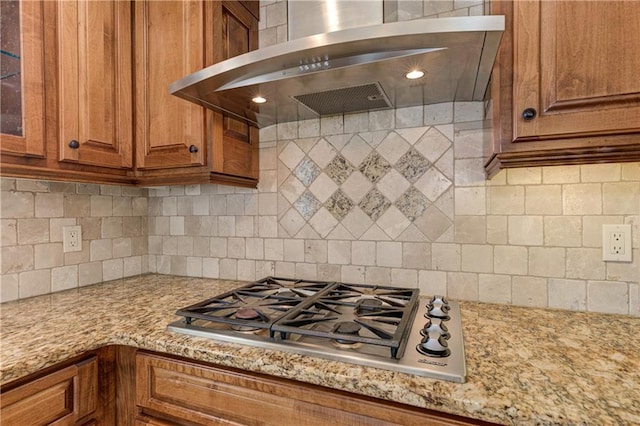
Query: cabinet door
{"points": [[62, 397], [22, 82], [236, 33], [95, 100], [576, 63], [170, 43]]}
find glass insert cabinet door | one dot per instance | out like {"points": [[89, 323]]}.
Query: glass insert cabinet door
{"points": [[21, 78]]}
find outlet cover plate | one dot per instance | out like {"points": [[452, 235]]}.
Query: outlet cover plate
{"points": [[616, 243], [71, 238]]}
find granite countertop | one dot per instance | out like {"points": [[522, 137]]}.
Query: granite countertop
{"points": [[525, 366]]}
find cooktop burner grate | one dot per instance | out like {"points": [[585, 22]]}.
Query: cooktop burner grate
{"points": [[346, 314]]}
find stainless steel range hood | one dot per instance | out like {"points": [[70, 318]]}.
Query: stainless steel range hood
{"points": [[352, 70]]}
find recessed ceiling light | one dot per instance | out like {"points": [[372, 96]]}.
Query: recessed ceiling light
{"points": [[412, 75], [259, 100]]}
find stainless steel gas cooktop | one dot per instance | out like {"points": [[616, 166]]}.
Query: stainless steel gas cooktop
{"points": [[379, 326]]}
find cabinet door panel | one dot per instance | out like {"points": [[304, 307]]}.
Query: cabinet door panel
{"points": [[169, 45], [95, 82], [22, 105], [61, 398], [572, 63], [237, 154]]}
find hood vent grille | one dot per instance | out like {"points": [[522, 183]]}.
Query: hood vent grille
{"points": [[366, 97]]}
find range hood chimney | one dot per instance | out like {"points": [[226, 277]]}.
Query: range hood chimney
{"points": [[357, 63]]}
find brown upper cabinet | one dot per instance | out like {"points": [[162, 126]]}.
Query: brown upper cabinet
{"points": [[95, 98], [22, 81], [565, 88], [177, 140], [108, 117], [171, 41]]}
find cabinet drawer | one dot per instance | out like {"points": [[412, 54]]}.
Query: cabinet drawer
{"points": [[193, 393], [62, 397]]}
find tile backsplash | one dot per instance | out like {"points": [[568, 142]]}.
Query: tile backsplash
{"points": [[33, 214], [394, 197]]}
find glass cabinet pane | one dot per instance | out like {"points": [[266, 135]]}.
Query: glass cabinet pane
{"points": [[10, 69]]}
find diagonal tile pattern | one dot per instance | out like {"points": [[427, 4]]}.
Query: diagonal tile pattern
{"points": [[372, 185]]}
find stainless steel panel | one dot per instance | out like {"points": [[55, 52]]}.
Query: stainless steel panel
{"points": [[457, 55], [311, 17]]}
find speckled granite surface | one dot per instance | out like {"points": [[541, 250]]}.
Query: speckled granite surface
{"points": [[525, 366]]}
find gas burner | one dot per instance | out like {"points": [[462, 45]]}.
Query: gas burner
{"points": [[374, 325], [247, 314], [366, 306], [347, 328]]}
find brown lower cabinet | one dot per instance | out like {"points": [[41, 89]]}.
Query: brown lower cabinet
{"points": [[66, 396], [124, 386]]}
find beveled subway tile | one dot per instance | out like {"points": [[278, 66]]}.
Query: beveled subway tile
{"points": [[339, 169], [374, 204], [374, 167], [339, 205], [306, 171]]}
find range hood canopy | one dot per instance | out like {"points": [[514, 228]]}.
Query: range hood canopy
{"points": [[352, 70]]}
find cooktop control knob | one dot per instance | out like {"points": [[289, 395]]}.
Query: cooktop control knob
{"points": [[435, 325], [434, 345], [438, 310], [438, 300]]}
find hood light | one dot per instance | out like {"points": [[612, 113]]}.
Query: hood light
{"points": [[259, 100], [415, 74]]}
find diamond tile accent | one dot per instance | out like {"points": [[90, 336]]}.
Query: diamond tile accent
{"points": [[357, 222], [306, 171], [374, 167], [339, 169], [393, 185], [412, 165], [323, 222], [433, 144], [393, 147], [433, 223], [374, 204], [291, 188], [292, 222], [323, 187], [291, 155], [307, 205], [356, 150], [339, 205], [433, 184], [322, 153], [393, 222], [356, 186], [412, 203]]}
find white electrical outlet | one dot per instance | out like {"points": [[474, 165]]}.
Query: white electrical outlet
{"points": [[616, 243], [72, 238]]}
